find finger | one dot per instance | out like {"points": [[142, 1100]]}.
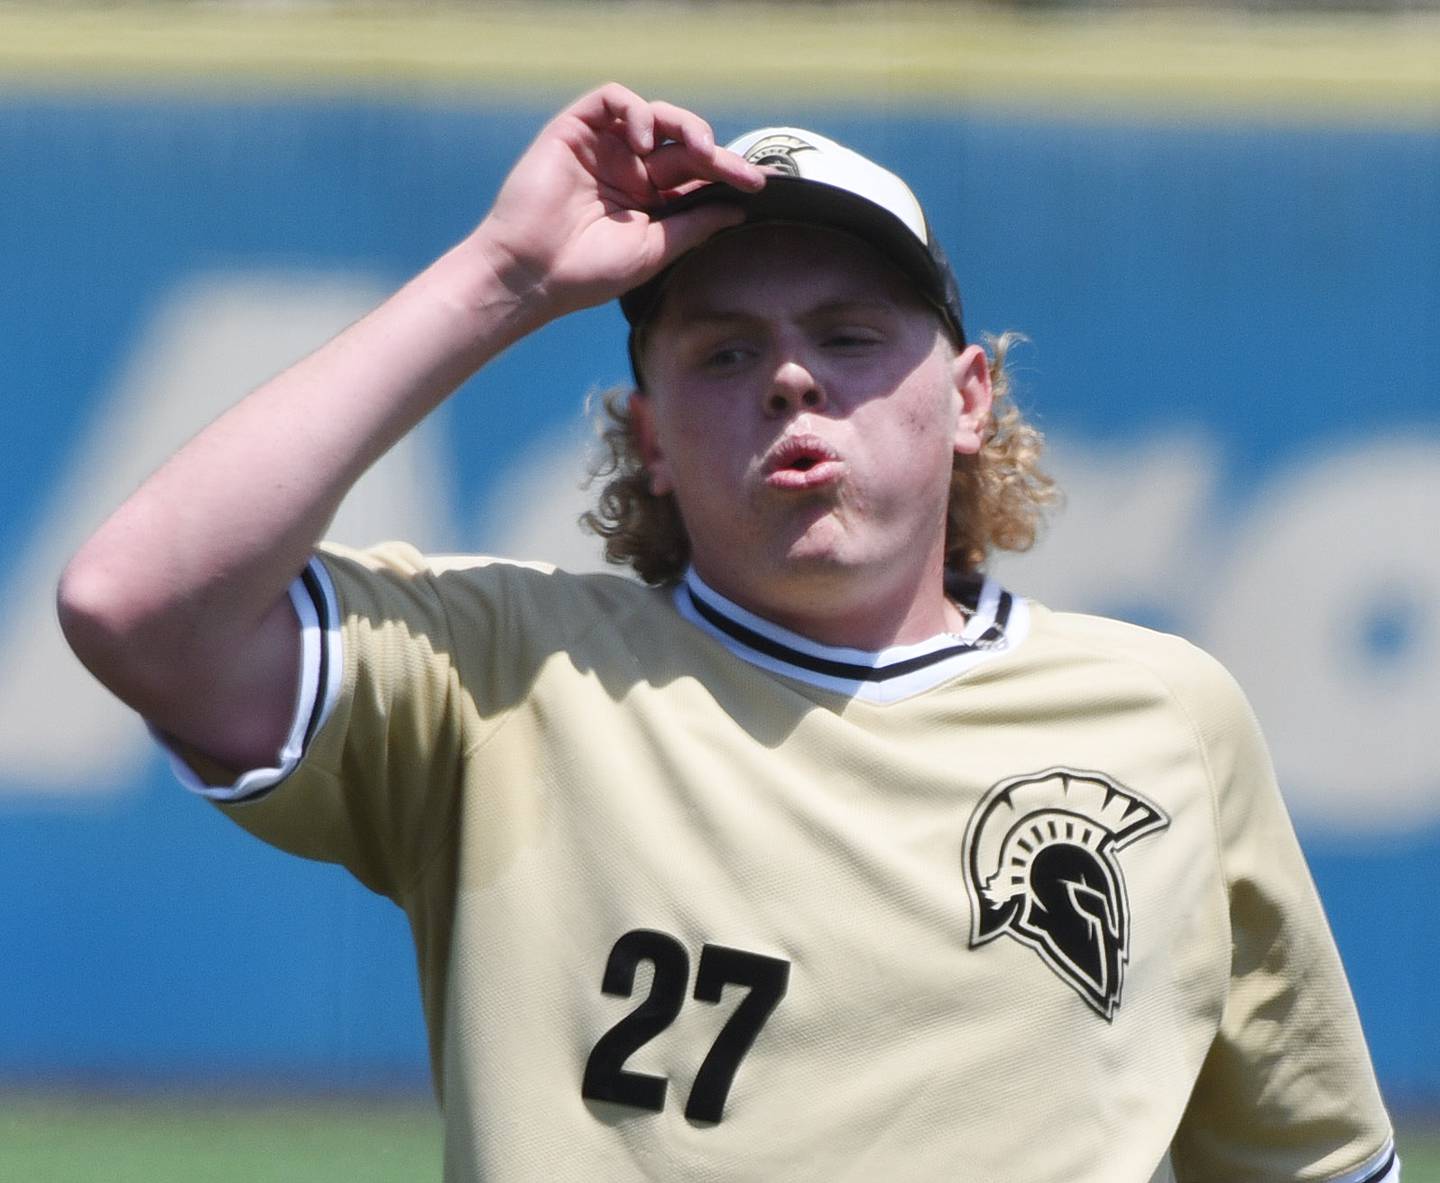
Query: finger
{"points": [[676, 123], [622, 177], [712, 163], [676, 165], [734, 169], [617, 109]]}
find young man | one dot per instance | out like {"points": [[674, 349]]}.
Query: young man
{"points": [[818, 855]]}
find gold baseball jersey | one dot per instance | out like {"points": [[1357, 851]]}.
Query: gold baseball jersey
{"points": [[696, 898]]}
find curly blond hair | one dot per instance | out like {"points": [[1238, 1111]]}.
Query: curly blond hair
{"points": [[998, 496]]}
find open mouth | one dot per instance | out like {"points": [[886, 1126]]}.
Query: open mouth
{"points": [[802, 462], [800, 453]]}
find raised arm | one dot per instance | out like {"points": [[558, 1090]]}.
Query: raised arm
{"points": [[178, 602]]}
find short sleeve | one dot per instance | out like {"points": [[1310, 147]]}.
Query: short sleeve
{"points": [[1287, 1091], [381, 725], [312, 596]]}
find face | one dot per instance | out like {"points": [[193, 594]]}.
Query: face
{"points": [[804, 406]]}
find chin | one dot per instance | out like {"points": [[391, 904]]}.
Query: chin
{"points": [[821, 542], [815, 562]]}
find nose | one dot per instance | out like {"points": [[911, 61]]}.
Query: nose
{"points": [[794, 387]]}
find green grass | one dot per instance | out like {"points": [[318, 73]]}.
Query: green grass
{"points": [[219, 1140], [152, 1140], [1420, 1152]]}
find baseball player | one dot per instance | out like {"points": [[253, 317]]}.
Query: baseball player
{"points": [[811, 854]]}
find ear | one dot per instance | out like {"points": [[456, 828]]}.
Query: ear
{"points": [[972, 386], [642, 416]]}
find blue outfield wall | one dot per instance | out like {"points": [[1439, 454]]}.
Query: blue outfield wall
{"points": [[1234, 347]]}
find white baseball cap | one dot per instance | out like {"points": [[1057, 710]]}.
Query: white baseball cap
{"points": [[815, 181]]}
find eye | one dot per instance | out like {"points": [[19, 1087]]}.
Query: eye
{"points": [[850, 338], [727, 357]]}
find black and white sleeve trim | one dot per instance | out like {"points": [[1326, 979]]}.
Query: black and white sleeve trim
{"points": [[1383, 1167], [997, 623], [321, 665]]}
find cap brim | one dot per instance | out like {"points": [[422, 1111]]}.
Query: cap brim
{"points": [[795, 199]]}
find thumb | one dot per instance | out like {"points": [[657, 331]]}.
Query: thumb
{"points": [[683, 232]]}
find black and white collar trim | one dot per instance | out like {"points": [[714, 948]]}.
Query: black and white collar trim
{"points": [[998, 622]]}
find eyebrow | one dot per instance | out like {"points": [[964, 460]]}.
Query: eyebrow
{"points": [[704, 315]]}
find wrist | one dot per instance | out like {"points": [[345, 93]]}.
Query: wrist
{"points": [[494, 287]]}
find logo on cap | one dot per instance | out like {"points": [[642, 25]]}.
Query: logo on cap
{"points": [[778, 152]]}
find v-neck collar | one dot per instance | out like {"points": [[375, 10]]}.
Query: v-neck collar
{"points": [[996, 624]]}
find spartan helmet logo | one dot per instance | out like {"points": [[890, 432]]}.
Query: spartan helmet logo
{"points": [[1041, 866], [778, 152]]}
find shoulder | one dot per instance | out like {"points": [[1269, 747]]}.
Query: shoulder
{"points": [[1168, 695], [461, 575], [1119, 654], [486, 596]]}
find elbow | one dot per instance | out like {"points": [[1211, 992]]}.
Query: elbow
{"points": [[87, 606], [101, 621]]}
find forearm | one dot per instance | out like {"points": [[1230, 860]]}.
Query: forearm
{"points": [[199, 555]]}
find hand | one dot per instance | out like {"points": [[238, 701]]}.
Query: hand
{"points": [[571, 226]]}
